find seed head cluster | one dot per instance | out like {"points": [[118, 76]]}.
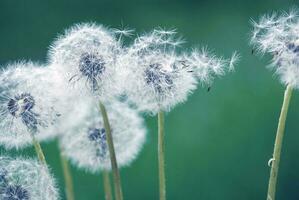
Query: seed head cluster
{"points": [[88, 64]]}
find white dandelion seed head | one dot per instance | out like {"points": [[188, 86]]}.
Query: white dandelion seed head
{"points": [[86, 54], [84, 141], [25, 179], [206, 66], [278, 35], [28, 104], [157, 78]]}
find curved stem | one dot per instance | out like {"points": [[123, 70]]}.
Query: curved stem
{"points": [[115, 171], [278, 144], [68, 180], [107, 185], [38, 149], [161, 158]]}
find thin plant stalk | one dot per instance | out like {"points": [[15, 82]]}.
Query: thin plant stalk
{"points": [[68, 180], [115, 171], [38, 149], [107, 185], [278, 144], [161, 158]]}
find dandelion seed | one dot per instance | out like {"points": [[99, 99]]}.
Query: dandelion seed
{"points": [[84, 140], [123, 32], [206, 66], [25, 179]]}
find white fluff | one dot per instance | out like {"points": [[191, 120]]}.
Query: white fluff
{"points": [[278, 35], [128, 134], [29, 104], [25, 179], [86, 56], [156, 78], [206, 66]]}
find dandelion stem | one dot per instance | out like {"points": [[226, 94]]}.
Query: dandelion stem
{"points": [[68, 180], [161, 159], [115, 171], [107, 185], [278, 144], [38, 149]]}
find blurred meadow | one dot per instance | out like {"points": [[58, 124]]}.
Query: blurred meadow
{"points": [[218, 143]]}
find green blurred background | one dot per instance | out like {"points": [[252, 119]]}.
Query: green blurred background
{"points": [[218, 143]]}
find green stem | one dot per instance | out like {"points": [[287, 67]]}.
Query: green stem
{"points": [[107, 185], [161, 159], [68, 180], [278, 144], [115, 171], [38, 150]]}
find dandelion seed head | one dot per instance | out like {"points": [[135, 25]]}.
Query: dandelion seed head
{"points": [[278, 35], [86, 55], [29, 104], [85, 142], [25, 179], [157, 78]]}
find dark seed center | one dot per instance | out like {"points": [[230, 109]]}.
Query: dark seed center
{"points": [[3, 174], [15, 192], [99, 137], [293, 47], [91, 66], [20, 104], [158, 78]]}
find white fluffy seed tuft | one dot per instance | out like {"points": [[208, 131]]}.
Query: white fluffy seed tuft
{"points": [[26, 179], [29, 104], [155, 76], [86, 55], [278, 35], [84, 140]]}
